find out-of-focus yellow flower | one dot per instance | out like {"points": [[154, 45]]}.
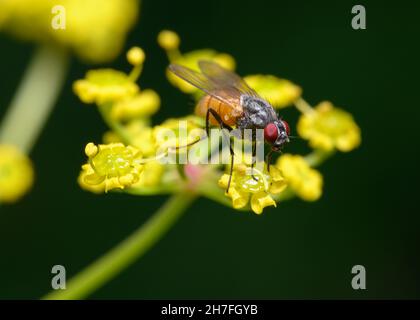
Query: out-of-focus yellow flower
{"points": [[16, 174], [5, 12], [143, 104], [152, 175], [244, 187], [104, 85], [280, 92], [110, 166], [94, 29], [111, 86], [136, 56], [169, 41], [329, 128], [304, 181]]}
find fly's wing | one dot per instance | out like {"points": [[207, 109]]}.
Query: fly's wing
{"points": [[216, 81], [224, 78], [256, 107], [205, 84]]}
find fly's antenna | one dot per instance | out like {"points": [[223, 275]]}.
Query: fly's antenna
{"points": [[295, 137]]}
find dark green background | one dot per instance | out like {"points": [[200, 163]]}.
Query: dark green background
{"points": [[366, 216]]}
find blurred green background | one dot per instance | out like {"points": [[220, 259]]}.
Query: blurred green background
{"points": [[366, 216]]}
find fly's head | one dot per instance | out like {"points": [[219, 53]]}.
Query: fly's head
{"points": [[277, 134]]}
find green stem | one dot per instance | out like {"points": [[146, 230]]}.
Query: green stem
{"points": [[317, 157], [152, 191], [215, 193], [303, 106], [35, 98], [119, 258], [119, 129]]}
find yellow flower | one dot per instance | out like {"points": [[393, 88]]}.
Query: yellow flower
{"points": [[136, 56], [304, 181], [16, 174], [87, 170], [104, 85], [244, 187], [280, 92], [143, 104], [169, 41], [94, 29], [110, 166], [111, 86], [327, 127], [152, 175]]}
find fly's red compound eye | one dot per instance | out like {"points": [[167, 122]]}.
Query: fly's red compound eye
{"points": [[271, 132], [286, 126]]}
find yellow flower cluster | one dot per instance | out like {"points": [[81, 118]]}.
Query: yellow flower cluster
{"points": [[329, 128], [94, 29], [304, 181], [109, 86], [16, 174], [143, 141], [137, 166], [104, 85], [256, 188], [157, 140], [141, 105], [110, 166]]}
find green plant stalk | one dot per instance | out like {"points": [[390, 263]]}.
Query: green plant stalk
{"points": [[210, 189], [303, 106], [35, 98], [152, 191], [112, 263], [105, 111], [317, 157]]}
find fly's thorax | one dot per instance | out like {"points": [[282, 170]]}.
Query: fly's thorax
{"points": [[257, 112]]}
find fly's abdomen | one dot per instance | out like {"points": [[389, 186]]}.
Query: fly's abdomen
{"points": [[228, 112]]}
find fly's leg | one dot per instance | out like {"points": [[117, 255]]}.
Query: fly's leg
{"points": [[254, 159], [208, 122], [186, 145], [222, 126], [268, 160], [231, 168]]}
